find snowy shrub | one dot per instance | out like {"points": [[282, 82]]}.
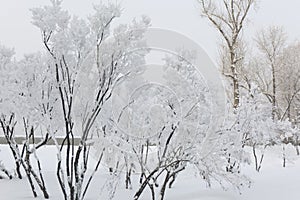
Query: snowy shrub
{"points": [[158, 130]]}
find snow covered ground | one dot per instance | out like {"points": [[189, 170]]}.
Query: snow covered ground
{"points": [[272, 183]]}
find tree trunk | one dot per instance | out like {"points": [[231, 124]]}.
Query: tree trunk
{"points": [[164, 186], [144, 184], [274, 92], [283, 155], [235, 81]]}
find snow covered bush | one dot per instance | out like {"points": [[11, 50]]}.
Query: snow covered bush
{"points": [[256, 124], [158, 130]]}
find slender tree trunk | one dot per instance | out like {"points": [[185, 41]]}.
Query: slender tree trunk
{"points": [[28, 173], [128, 177], [164, 187], [258, 164], [18, 165], [297, 145], [152, 191], [235, 80], [144, 184], [283, 155], [236, 92], [274, 92]]}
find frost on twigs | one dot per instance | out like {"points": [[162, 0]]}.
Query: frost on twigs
{"points": [[88, 59], [158, 129]]}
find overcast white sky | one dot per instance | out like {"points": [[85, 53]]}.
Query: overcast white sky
{"points": [[182, 16]]}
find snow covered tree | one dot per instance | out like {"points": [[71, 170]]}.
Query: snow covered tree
{"points": [[87, 64], [26, 99], [37, 111], [256, 124], [8, 96]]}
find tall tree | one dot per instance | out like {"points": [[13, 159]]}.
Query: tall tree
{"points": [[288, 84], [228, 17], [271, 42], [87, 66]]}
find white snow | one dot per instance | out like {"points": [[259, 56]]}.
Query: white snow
{"points": [[273, 182]]}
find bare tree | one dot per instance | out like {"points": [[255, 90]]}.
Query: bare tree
{"points": [[228, 17], [288, 91], [288, 87], [276, 72], [271, 43]]}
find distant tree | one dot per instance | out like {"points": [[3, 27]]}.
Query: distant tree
{"points": [[271, 43], [288, 76], [288, 89], [275, 72]]}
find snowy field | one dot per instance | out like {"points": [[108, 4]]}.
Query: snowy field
{"points": [[272, 183]]}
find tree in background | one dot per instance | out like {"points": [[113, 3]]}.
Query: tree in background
{"points": [[271, 43], [229, 17], [289, 83]]}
